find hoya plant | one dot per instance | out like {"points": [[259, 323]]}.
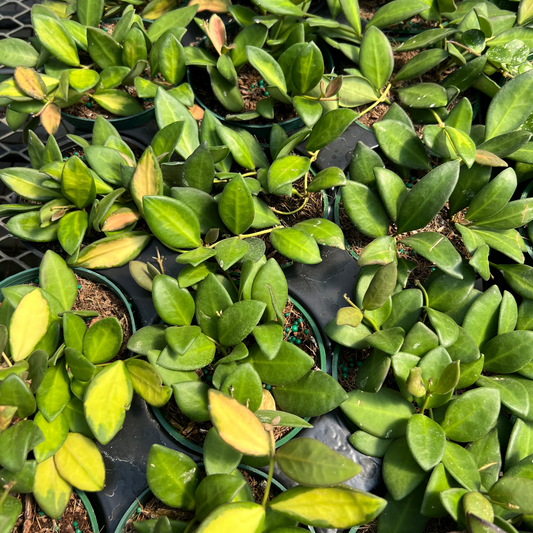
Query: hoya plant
{"points": [[453, 352], [223, 500], [398, 211], [218, 336], [89, 199], [219, 194], [84, 63]]}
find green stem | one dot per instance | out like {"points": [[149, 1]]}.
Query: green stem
{"points": [[421, 287], [249, 174], [6, 492], [296, 193], [6, 359], [426, 400], [431, 414], [231, 280], [292, 212], [279, 27], [380, 100], [220, 181], [271, 468], [264, 232], [439, 121], [465, 47], [189, 525]]}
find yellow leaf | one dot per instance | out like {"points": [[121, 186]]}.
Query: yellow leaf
{"points": [[147, 179], [51, 118], [80, 463], [120, 219], [215, 6], [329, 507], [268, 403], [244, 517], [112, 251], [237, 425], [50, 490], [30, 83], [28, 325]]}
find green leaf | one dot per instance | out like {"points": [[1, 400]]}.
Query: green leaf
{"points": [[103, 340], [384, 414], [519, 278], [118, 102], [58, 279], [219, 457], [380, 251], [71, 230], [238, 321], [312, 463], [285, 171], [106, 400], [364, 161], [401, 144], [191, 398], [446, 292], [509, 107], [314, 394], [236, 207], [173, 304], [461, 465], [17, 441], [55, 434], [307, 69], [508, 352], [80, 367], [368, 444], [401, 473], [103, 49], [216, 490], [15, 392], [421, 63], [147, 383], [508, 317], [169, 110], [90, 12], [267, 66], [426, 441], [172, 221], [513, 394], [381, 287], [308, 110], [472, 415], [335, 507], [513, 215], [296, 245], [392, 190], [423, 96], [29, 184], [376, 60], [514, 493], [17, 52], [147, 179], [327, 178], [290, 364], [269, 338], [323, 231], [171, 59], [365, 209], [54, 392], [56, 39], [396, 11], [328, 128], [350, 10], [427, 197], [481, 320], [172, 477]]}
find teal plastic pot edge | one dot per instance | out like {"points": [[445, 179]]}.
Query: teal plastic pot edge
{"points": [[32, 274], [323, 366], [122, 123], [90, 510]]}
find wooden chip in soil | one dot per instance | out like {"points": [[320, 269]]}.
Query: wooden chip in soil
{"points": [[33, 520], [196, 432], [96, 297], [442, 224]]}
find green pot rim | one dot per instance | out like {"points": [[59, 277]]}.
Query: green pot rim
{"points": [[523, 232], [259, 129], [90, 510], [147, 493], [323, 365], [28, 275]]}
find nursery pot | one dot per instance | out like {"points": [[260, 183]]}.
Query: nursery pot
{"points": [[32, 275], [148, 494], [321, 363], [90, 511], [260, 131]]}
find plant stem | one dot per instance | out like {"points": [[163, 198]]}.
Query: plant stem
{"points": [[6, 359], [370, 321], [292, 212], [231, 280], [271, 467], [380, 100], [439, 121], [159, 260], [249, 174], [426, 400], [421, 287], [465, 47], [264, 232], [431, 414], [189, 525], [6, 492]]}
